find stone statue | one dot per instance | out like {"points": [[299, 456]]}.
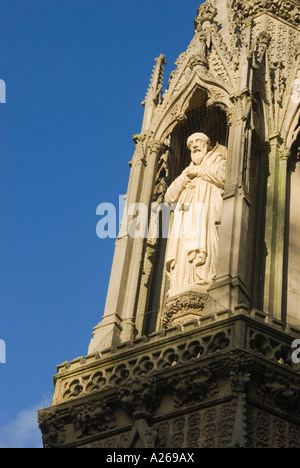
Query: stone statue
{"points": [[194, 238], [200, 48]]}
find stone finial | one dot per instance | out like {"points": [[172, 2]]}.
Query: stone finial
{"points": [[154, 90], [206, 13]]}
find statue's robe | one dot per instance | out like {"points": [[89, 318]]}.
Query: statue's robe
{"points": [[197, 216]]}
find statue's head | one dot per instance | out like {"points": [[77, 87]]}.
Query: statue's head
{"points": [[199, 145]]}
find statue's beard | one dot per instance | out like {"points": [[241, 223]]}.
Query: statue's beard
{"points": [[197, 157]]}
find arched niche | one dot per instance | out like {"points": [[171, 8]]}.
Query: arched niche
{"points": [[199, 117]]}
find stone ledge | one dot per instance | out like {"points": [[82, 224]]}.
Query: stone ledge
{"points": [[190, 387], [162, 336]]}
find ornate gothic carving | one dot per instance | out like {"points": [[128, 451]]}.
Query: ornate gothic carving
{"points": [[284, 9], [271, 348], [146, 364], [139, 396], [183, 308], [164, 170], [53, 429], [92, 418], [206, 14], [222, 65], [139, 157], [262, 44], [240, 367], [285, 153], [155, 88], [242, 104], [156, 146], [142, 434], [281, 391], [193, 388], [200, 50], [196, 370]]}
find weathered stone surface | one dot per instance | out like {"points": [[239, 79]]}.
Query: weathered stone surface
{"points": [[231, 368], [207, 368]]}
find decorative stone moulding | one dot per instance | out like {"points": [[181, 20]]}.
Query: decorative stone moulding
{"points": [[238, 369], [194, 339], [284, 9], [182, 308]]}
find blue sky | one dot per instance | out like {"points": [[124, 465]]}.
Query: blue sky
{"points": [[76, 72]]}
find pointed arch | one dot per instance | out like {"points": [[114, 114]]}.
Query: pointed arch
{"points": [[197, 108], [175, 110]]}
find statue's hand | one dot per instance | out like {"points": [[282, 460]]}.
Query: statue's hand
{"points": [[191, 256], [200, 259], [192, 172]]}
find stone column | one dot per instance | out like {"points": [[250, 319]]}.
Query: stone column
{"points": [[107, 332], [136, 261], [229, 289], [275, 226]]}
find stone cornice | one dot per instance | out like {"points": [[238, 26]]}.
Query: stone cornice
{"points": [[288, 10], [149, 355], [190, 363]]}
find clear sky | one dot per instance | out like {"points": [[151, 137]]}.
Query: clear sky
{"points": [[76, 72]]}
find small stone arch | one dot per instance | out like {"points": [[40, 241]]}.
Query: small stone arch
{"points": [[196, 93]]}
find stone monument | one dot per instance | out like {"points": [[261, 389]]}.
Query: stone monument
{"points": [[196, 347]]}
